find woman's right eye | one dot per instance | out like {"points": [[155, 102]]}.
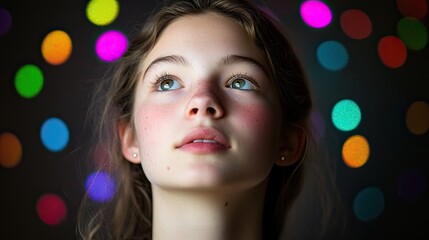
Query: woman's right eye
{"points": [[168, 84]]}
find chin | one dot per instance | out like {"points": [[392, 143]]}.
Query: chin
{"points": [[209, 179]]}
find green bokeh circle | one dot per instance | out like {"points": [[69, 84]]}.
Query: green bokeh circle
{"points": [[29, 81], [413, 33]]}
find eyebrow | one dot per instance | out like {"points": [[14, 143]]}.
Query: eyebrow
{"points": [[227, 60], [236, 59], [174, 59]]}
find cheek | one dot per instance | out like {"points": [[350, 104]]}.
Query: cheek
{"points": [[258, 139], [259, 129], [152, 123], [258, 119]]}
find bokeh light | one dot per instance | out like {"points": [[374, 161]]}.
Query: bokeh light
{"points": [[346, 115], [332, 55], [417, 118], [413, 8], [100, 186], [392, 51], [413, 33], [101, 159], [10, 150], [355, 151], [411, 185], [268, 11], [111, 45], [29, 81], [368, 204], [102, 12], [51, 209], [316, 14], [356, 24], [5, 21], [341, 36], [54, 134], [318, 124], [56, 47]]}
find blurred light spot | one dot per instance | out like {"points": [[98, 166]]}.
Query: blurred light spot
{"points": [[54, 134], [51, 209], [356, 24], [100, 186], [315, 13], [413, 33], [318, 125], [346, 115], [101, 159], [29, 81], [355, 151], [102, 12], [411, 185], [417, 118], [56, 47], [10, 150], [268, 12], [332, 55], [5, 21], [111, 45], [392, 51], [368, 204], [413, 8]]}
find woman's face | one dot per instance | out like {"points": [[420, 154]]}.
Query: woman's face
{"points": [[206, 112]]}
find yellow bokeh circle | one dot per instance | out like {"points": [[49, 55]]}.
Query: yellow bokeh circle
{"points": [[417, 118], [355, 151], [10, 150], [56, 47], [102, 12]]}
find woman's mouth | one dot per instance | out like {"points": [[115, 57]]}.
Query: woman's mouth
{"points": [[204, 141]]}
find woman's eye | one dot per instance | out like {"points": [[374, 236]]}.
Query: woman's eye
{"points": [[242, 84], [168, 84]]}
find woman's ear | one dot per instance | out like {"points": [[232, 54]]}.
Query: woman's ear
{"points": [[128, 141], [293, 146]]}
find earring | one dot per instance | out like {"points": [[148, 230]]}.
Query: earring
{"points": [[135, 155], [282, 158]]}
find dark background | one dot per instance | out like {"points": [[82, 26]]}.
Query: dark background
{"points": [[383, 94]]}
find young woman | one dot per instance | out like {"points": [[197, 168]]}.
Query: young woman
{"points": [[206, 122]]}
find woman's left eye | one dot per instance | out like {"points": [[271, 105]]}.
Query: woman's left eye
{"points": [[241, 84]]}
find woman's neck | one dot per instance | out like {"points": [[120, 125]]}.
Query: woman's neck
{"points": [[208, 215]]}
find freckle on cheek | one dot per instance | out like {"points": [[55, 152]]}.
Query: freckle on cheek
{"points": [[253, 116]]}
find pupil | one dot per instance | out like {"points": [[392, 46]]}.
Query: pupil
{"points": [[167, 84], [238, 83]]}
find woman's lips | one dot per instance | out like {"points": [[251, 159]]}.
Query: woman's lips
{"points": [[204, 140], [202, 147]]}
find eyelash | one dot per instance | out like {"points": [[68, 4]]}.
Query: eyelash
{"points": [[161, 77], [164, 76]]}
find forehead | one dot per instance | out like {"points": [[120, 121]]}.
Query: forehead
{"points": [[209, 34]]}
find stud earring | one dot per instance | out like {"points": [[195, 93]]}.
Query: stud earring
{"points": [[135, 155]]}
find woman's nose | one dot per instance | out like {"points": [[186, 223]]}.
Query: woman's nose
{"points": [[204, 103]]}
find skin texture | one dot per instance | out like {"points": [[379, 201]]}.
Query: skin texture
{"points": [[215, 186]]}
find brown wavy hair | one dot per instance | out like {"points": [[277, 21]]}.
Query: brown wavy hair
{"points": [[128, 214]]}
